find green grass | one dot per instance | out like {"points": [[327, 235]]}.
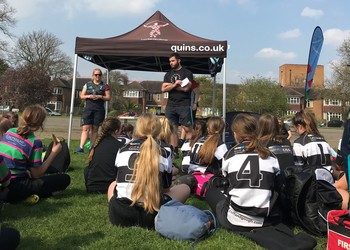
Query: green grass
{"points": [[77, 220]]}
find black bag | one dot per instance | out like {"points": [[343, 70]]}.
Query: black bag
{"points": [[280, 237], [62, 160], [311, 197]]}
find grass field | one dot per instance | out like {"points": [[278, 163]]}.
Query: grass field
{"points": [[76, 220]]}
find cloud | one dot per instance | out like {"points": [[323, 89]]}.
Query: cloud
{"points": [[249, 5], [273, 53], [26, 8], [270, 74], [290, 34], [120, 7], [312, 13], [335, 36], [73, 8]]}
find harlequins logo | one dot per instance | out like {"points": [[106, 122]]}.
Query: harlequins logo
{"points": [[155, 28]]}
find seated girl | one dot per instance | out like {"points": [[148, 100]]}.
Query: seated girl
{"points": [[251, 171], [22, 152], [9, 237], [144, 178], [199, 130], [164, 138], [126, 132], [206, 154], [101, 170]]}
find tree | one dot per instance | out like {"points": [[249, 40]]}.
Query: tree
{"points": [[116, 82], [261, 95], [339, 85], [40, 51], [23, 86], [7, 21], [3, 66], [206, 93]]}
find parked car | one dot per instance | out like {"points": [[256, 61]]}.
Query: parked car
{"points": [[288, 122], [323, 124], [335, 123], [4, 109], [51, 112], [128, 114]]}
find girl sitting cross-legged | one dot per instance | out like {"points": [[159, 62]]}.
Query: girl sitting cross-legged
{"points": [[144, 178]]}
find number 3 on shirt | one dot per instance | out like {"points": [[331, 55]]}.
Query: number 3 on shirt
{"points": [[250, 171]]}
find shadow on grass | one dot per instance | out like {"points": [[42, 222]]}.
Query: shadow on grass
{"points": [[69, 242], [44, 208]]}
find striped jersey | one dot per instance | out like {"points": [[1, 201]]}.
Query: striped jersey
{"points": [[214, 166], [5, 174], [186, 149], [20, 154], [125, 164], [124, 139], [312, 150], [251, 195]]}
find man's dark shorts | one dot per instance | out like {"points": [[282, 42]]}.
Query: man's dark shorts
{"points": [[92, 117], [179, 115]]}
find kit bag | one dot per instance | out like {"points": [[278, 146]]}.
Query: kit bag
{"points": [[60, 163], [338, 225], [178, 221], [202, 183], [311, 196]]}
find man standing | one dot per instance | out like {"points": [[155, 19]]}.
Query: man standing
{"points": [[179, 109]]}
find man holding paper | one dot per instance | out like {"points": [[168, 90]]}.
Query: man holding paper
{"points": [[178, 83]]}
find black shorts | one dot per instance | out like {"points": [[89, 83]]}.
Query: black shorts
{"points": [[92, 117], [122, 214], [21, 188], [179, 115]]}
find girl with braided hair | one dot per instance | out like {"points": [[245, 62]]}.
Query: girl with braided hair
{"points": [[101, 170], [22, 152], [144, 178]]}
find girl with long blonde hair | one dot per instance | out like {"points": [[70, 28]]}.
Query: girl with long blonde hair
{"points": [[143, 179]]}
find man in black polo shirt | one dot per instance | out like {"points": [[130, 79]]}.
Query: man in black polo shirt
{"points": [[178, 83]]}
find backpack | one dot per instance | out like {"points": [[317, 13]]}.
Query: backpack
{"points": [[311, 197], [60, 163], [178, 221], [279, 237], [206, 181]]}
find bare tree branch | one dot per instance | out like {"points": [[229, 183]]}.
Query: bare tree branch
{"points": [[40, 50]]}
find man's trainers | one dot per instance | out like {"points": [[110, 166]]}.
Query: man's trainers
{"points": [[31, 200], [79, 150]]}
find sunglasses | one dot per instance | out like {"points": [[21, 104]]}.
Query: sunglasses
{"points": [[97, 74]]}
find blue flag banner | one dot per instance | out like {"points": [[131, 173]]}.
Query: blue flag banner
{"points": [[345, 146], [314, 54]]}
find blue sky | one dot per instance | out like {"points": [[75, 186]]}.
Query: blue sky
{"points": [[262, 34]]}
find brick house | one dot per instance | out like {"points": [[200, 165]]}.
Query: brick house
{"points": [[292, 78], [62, 92], [148, 95]]}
